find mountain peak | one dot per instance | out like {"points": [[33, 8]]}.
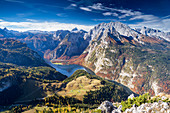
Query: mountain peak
{"points": [[115, 28], [74, 29], [83, 31], [5, 29]]}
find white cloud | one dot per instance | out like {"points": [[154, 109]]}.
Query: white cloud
{"points": [[43, 26], [61, 15], [123, 16], [71, 6], [150, 21], [104, 19], [163, 24], [24, 14], [144, 17], [31, 20], [17, 1], [129, 12], [107, 13], [115, 14], [74, 5], [110, 14], [1, 20], [114, 11], [97, 6], [166, 16], [85, 9]]}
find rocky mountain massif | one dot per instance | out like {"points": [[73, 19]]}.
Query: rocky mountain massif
{"points": [[119, 53]]}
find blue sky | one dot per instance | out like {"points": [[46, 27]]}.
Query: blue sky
{"points": [[51, 15]]}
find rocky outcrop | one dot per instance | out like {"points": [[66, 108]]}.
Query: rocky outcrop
{"points": [[106, 107], [156, 107], [131, 96], [118, 110]]}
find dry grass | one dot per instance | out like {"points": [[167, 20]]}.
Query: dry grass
{"points": [[78, 87], [29, 111]]}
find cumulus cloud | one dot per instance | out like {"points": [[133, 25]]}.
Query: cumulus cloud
{"points": [[43, 26], [85, 9]]}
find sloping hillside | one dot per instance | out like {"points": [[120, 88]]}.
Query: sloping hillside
{"points": [[89, 88], [15, 52], [18, 65], [25, 83]]}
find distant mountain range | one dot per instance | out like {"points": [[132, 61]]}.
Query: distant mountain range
{"points": [[155, 33], [137, 58]]}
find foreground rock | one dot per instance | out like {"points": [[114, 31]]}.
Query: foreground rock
{"points": [[106, 107], [131, 96], [156, 107]]}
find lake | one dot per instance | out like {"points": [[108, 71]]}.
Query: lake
{"points": [[68, 70]]}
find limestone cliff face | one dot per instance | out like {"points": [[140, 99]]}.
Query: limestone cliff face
{"points": [[72, 45], [119, 53]]}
